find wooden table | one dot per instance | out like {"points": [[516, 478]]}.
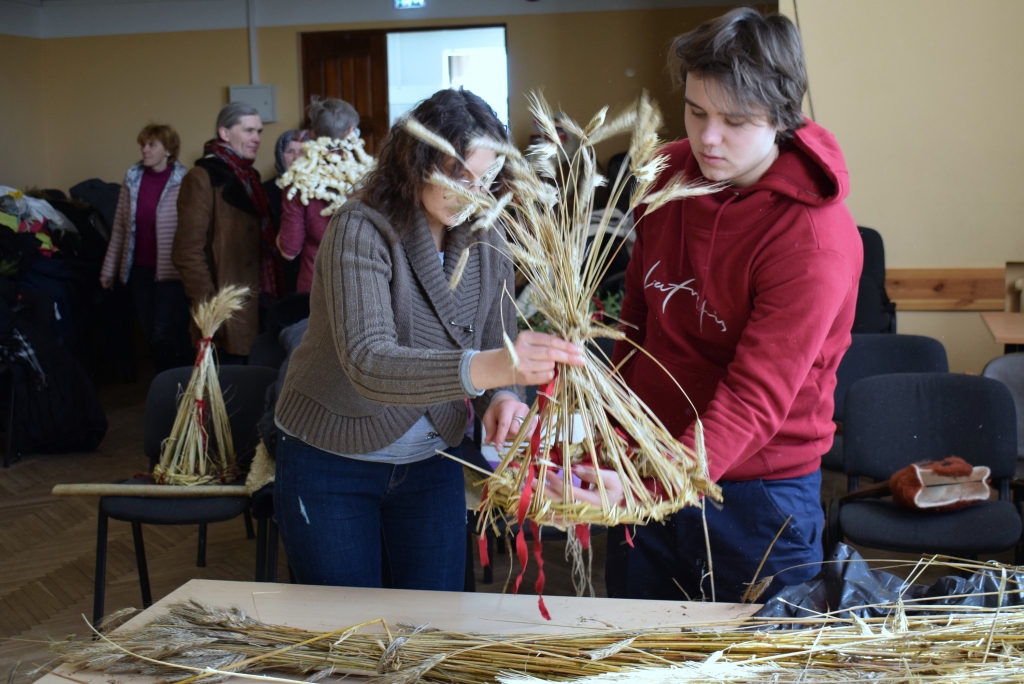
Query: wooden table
{"points": [[330, 608], [1007, 328]]}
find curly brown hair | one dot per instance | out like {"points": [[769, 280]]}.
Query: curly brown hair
{"points": [[167, 136], [404, 163]]}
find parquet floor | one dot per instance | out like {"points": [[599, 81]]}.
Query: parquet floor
{"points": [[48, 545]]}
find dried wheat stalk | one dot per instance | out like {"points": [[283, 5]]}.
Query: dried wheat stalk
{"points": [[546, 218], [920, 641], [199, 449]]}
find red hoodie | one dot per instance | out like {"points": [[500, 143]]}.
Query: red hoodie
{"points": [[747, 298]]}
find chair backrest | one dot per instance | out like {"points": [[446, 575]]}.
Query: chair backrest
{"points": [[882, 354], [1009, 370], [895, 420], [266, 351], [244, 389], [874, 254]]}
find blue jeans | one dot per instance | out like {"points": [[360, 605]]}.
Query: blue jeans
{"points": [[336, 514], [668, 556]]}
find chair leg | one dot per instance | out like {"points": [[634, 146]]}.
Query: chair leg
{"points": [[469, 581], [100, 581], [249, 534], [140, 560], [272, 545], [10, 427], [201, 553], [489, 570], [261, 550]]}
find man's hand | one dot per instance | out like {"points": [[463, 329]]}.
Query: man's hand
{"points": [[554, 486], [106, 282]]}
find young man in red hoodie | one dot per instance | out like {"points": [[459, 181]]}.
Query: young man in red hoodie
{"points": [[747, 297]]}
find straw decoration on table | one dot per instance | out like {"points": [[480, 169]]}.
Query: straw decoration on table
{"points": [[911, 641], [327, 170], [545, 215], [199, 450]]}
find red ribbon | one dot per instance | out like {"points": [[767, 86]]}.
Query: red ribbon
{"points": [[524, 505], [201, 349], [201, 417], [481, 542], [583, 534], [538, 551]]}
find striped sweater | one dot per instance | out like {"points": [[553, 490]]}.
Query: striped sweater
{"points": [[387, 336], [121, 249]]}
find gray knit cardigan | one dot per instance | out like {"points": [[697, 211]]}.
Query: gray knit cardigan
{"points": [[386, 334]]}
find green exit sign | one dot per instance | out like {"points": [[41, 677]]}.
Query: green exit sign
{"points": [[409, 4]]}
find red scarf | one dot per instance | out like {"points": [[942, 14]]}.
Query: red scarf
{"points": [[271, 273]]}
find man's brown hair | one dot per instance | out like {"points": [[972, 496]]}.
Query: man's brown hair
{"points": [[167, 136], [757, 60]]}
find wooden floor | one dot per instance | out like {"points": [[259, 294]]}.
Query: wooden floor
{"points": [[47, 545]]}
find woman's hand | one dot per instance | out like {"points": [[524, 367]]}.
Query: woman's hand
{"points": [[538, 353], [554, 486], [503, 419], [107, 282]]}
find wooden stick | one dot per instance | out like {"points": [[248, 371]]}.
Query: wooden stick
{"points": [[149, 491]]}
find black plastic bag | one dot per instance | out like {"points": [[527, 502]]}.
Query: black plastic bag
{"points": [[848, 587]]}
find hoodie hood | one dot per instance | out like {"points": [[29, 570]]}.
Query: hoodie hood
{"points": [[746, 297], [810, 169]]}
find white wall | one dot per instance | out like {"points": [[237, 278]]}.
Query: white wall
{"points": [[416, 67]]}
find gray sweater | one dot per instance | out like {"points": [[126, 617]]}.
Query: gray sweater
{"points": [[386, 335]]}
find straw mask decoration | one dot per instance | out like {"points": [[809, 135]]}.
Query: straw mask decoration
{"points": [[199, 450], [545, 215], [328, 170]]}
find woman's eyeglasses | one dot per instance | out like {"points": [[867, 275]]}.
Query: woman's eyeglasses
{"points": [[479, 185]]}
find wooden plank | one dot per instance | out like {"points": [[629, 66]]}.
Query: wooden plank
{"points": [[150, 491], [946, 289]]}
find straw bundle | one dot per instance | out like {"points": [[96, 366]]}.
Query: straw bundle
{"points": [[913, 642], [199, 449], [546, 218], [327, 170]]}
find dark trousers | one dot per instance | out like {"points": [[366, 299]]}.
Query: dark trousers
{"points": [[163, 311], [669, 561], [337, 515]]}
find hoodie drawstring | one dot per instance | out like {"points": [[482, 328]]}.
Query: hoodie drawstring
{"points": [[701, 300]]}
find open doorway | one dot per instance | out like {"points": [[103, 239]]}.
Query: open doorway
{"points": [[384, 74], [422, 62]]}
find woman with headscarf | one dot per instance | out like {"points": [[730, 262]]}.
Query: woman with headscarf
{"points": [[287, 149]]}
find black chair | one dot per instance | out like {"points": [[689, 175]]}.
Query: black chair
{"points": [[7, 371], [880, 354], [895, 420], [243, 388], [1009, 370], [266, 351], [875, 312]]}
